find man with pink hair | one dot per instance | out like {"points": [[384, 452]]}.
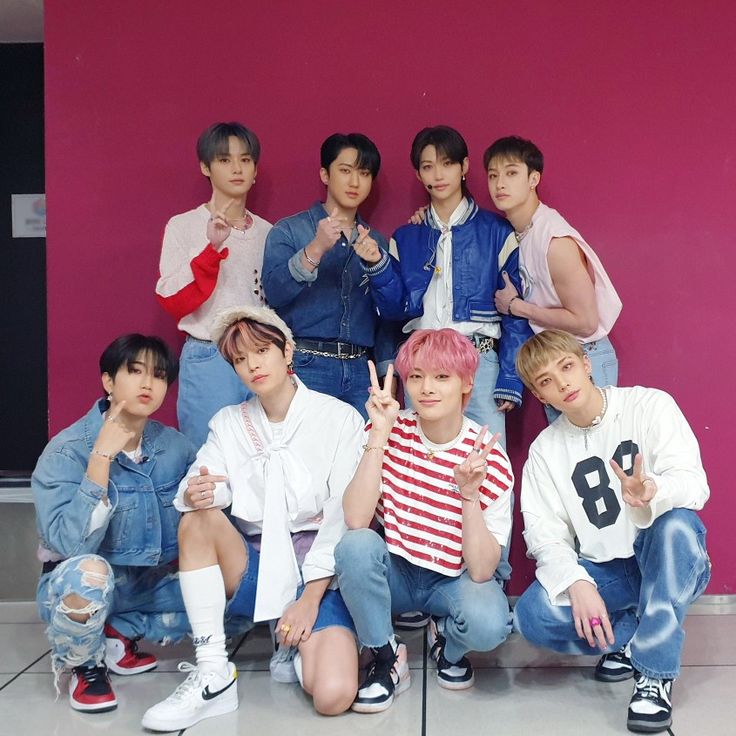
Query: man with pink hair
{"points": [[441, 493]]}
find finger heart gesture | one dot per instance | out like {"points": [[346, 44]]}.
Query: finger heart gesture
{"points": [[366, 247]]}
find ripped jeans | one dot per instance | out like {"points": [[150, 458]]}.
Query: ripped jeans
{"points": [[137, 601]]}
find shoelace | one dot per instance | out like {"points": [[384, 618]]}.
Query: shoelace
{"points": [[379, 669], [93, 674], [192, 683], [651, 689]]}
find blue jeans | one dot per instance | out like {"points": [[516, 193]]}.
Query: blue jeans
{"points": [[604, 363], [137, 601], [347, 380], [207, 383], [647, 597], [376, 584], [482, 406], [241, 607]]}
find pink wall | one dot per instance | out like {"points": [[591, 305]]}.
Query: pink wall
{"points": [[631, 107]]}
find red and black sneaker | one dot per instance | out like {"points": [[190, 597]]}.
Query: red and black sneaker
{"points": [[90, 689], [122, 656]]}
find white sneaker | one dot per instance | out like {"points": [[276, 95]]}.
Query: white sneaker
{"points": [[201, 695]]}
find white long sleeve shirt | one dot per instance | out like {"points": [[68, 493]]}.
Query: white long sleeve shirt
{"points": [[284, 482], [569, 491]]}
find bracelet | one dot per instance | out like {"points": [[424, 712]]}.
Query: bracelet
{"points": [[382, 448], [309, 260], [511, 302], [106, 455]]}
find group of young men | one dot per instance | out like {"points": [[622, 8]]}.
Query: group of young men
{"points": [[470, 307]]}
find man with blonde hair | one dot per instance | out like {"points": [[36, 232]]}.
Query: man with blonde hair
{"points": [[609, 495]]}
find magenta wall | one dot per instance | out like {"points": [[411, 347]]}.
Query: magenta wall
{"points": [[633, 106]]}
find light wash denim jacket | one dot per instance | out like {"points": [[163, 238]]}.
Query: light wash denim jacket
{"points": [[141, 529]]}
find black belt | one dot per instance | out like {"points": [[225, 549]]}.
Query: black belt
{"points": [[327, 349]]}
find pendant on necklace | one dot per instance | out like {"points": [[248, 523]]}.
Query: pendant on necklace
{"points": [[430, 454]]}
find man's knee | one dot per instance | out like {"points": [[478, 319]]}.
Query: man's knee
{"points": [[333, 695], [200, 524], [533, 611], [680, 533], [87, 594], [489, 625], [358, 548]]}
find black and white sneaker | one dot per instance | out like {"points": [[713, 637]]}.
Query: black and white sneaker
{"points": [[388, 675], [615, 667], [411, 620], [450, 675], [650, 709]]}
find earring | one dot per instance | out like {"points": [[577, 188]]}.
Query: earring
{"points": [[254, 180], [463, 177], [290, 369], [109, 398]]}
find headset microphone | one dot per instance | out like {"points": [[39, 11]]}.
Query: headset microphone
{"points": [[429, 186]]}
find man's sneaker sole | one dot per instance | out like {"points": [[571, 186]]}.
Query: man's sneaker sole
{"points": [[402, 685], [410, 621], [647, 726], [455, 684], [606, 677], [219, 708], [92, 707], [131, 670]]}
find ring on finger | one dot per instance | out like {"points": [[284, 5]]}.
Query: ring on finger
{"points": [[594, 621]]}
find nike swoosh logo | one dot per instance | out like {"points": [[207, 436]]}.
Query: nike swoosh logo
{"points": [[208, 695]]}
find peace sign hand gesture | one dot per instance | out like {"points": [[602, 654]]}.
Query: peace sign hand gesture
{"points": [[218, 226], [470, 473], [637, 489], [382, 407]]}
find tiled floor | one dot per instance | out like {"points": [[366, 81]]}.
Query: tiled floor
{"points": [[518, 690]]}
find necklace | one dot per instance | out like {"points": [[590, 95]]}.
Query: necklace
{"points": [[519, 234], [247, 222], [596, 419]]}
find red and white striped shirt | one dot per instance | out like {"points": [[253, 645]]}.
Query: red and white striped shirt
{"points": [[420, 506]]}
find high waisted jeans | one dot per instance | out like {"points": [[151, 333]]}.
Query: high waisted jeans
{"points": [[647, 597], [376, 584]]}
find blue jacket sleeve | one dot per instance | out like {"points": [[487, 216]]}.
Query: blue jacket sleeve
{"points": [[65, 498], [514, 332], [388, 290], [284, 277]]}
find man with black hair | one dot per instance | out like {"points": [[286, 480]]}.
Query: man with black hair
{"points": [[316, 270], [450, 261]]}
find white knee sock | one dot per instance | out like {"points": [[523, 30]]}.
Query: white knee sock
{"points": [[203, 591]]}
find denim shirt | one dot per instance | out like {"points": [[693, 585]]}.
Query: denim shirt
{"points": [[333, 302], [141, 528]]}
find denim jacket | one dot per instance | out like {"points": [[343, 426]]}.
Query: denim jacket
{"points": [[481, 251], [141, 528], [333, 302]]}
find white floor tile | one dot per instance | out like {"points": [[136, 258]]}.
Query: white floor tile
{"points": [[703, 699], [20, 644], [710, 640]]}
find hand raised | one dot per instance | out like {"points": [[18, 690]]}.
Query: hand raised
{"points": [[113, 434], [218, 226], [200, 492], [418, 217], [504, 296], [636, 489], [366, 247], [471, 472], [329, 231], [382, 407]]}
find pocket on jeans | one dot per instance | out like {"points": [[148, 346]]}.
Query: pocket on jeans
{"points": [[302, 360], [198, 352]]}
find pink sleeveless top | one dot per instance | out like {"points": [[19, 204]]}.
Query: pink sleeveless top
{"points": [[538, 287]]}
